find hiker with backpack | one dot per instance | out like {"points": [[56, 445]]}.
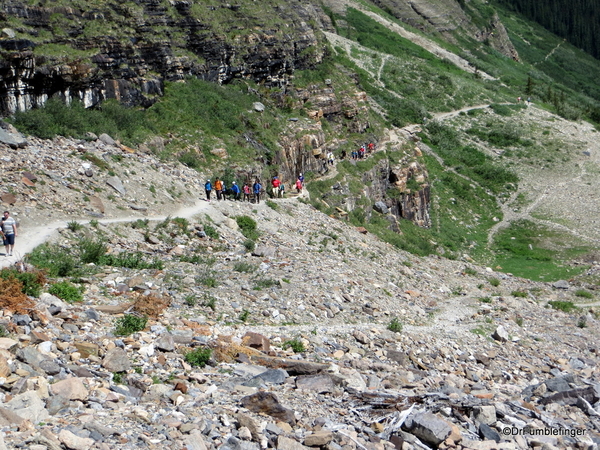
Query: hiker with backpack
{"points": [[219, 188], [208, 190], [299, 185], [235, 190], [276, 184], [257, 187], [247, 192]]}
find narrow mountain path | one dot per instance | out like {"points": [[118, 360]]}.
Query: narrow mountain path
{"points": [[31, 237]]}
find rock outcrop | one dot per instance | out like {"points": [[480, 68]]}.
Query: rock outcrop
{"points": [[127, 51]]}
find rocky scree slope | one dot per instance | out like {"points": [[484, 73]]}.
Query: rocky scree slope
{"points": [[479, 351]]}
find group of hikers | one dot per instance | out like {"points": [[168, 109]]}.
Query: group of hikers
{"points": [[362, 151], [250, 191]]}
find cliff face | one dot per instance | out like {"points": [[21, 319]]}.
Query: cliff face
{"points": [[128, 50]]}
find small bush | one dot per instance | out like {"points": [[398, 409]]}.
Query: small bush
{"points": [[249, 244], [522, 294], [31, 282], [12, 297], [469, 271], [494, 282], [131, 261], [271, 204], [243, 266], [211, 231], [181, 223], [485, 300], [519, 321], [210, 302], [129, 324], [66, 291], [582, 322], [73, 225], [248, 227], [190, 300], [583, 293], [244, 316], [140, 223], [264, 283], [57, 261], [395, 325], [91, 251], [563, 306], [198, 357], [295, 344]]}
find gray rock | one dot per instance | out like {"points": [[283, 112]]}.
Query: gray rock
{"points": [[116, 360], [559, 384], [106, 139], [500, 334], [285, 443], [29, 406], [165, 342], [182, 336], [318, 438], [115, 183], [485, 414], [50, 367], [12, 140], [258, 106], [264, 252], [429, 428], [267, 403], [21, 319], [316, 383], [92, 314], [8, 33], [57, 403], [561, 284], [380, 207], [488, 433], [275, 376], [30, 356]]}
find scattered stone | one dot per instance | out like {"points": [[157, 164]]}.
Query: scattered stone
{"points": [[267, 403]]}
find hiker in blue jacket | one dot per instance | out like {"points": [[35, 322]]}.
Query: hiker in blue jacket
{"points": [[256, 188], [235, 190], [208, 189]]}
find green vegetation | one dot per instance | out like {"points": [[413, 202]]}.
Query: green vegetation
{"points": [[73, 225], [31, 283], [66, 291], [395, 325], [522, 294], [248, 227], [531, 251], [295, 344], [242, 266], [584, 294], [198, 357], [129, 324], [494, 282], [564, 306]]}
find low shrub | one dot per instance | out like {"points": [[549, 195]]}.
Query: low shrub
{"points": [[56, 261], [243, 266], [522, 294], [129, 324], [66, 291], [73, 225], [198, 357], [564, 306], [494, 282], [12, 297], [248, 227], [395, 325], [295, 344], [583, 293], [31, 282]]}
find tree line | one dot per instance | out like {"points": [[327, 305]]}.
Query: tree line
{"points": [[578, 21]]}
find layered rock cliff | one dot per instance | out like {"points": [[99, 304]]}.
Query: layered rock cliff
{"points": [[128, 50]]}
